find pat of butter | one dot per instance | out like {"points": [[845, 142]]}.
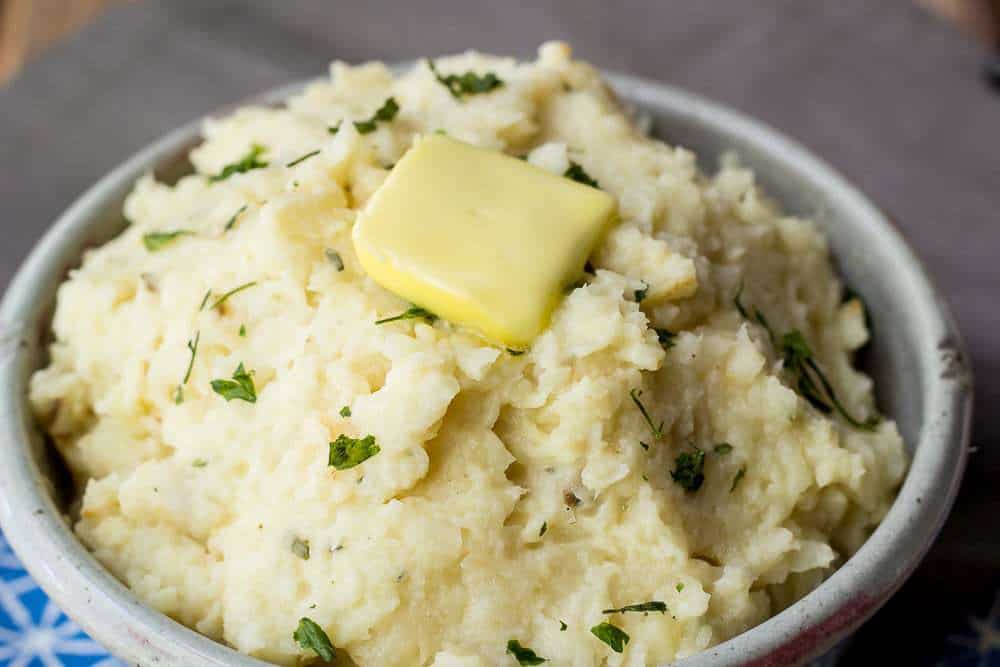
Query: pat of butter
{"points": [[480, 238]]}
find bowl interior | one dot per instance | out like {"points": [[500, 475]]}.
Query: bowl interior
{"points": [[915, 358]]}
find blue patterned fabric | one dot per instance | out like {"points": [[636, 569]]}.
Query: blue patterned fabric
{"points": [[35, 633]]}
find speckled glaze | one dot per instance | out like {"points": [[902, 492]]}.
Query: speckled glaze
{"points": [[922, 377]]}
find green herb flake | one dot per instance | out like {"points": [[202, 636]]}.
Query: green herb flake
{"points": [[199, 463], [543, 529], [740, 474], [334, 258], [515, 353], [679, 587], [204, 300], [723, 448], [738, 302], [236, 290], [562, 626], [232, 221], [640, 294], [611, 635], [470, 83], [240, 387], [576, 173], [656, 430], [384, 114], [345, 411], [192, 346], [311, 637], [156, 241], [243, 331], [812, 383], [807, 377], [247, 163], [666, 338], [644, 607], [524, 656], [411, 313], [302, 158], [300, 548], [689, 469], [347, 452]]}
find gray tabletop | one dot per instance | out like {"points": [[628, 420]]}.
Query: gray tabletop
{"points": [[883, 91]]}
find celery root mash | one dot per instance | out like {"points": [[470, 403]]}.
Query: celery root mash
{"points": [[275, 450]]}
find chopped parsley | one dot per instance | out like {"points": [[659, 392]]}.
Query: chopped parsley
{"points": [[666, 338], [192, 346], [199, 463], [383, 114], [243, 331], [232, 220], [345, 411], [611, 635], [641, 293], [300, 548], [303, 158], [311, 637], [155, 241], [807, 377], [247, 163], [236, 290], [757, 315], [411, 313], [523, 655], [576, 173], [515, 353], [723, 448], [689, 469], [644, 607], [347, 452], [469, 83], [740, 474], [334, 258], [543, 529], [679, 586], [657, 430], [562, 626], [240, 387]]}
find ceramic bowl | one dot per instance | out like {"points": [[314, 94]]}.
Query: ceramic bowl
{"points": [[916, 357]]}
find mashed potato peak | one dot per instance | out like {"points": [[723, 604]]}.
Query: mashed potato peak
{"points": [[511, 496]]}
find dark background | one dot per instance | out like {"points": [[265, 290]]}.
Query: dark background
{"points": [[885, 92]]}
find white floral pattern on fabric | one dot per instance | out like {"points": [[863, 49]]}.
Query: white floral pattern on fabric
{"points": [[33, 630], [981, 646]]}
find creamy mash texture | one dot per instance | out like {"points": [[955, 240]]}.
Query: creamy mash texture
{"points": [[512, 496]]}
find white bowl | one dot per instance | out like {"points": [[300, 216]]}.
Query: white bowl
{"points": [[916, 357]]}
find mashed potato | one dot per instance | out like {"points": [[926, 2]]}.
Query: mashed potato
{"points": [[513, 496]]}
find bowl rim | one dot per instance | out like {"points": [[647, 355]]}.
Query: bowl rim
{"points": [[110, 613]]}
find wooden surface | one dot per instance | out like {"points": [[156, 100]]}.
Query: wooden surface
{"points": [[891, 96]]}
